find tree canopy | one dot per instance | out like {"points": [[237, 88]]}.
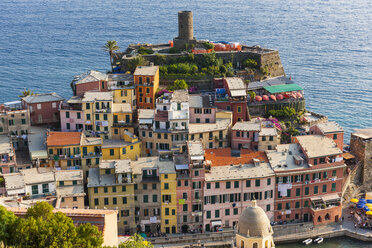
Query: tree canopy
{"points": [[178, 85], [111, 46], [136, 241], [43, 228]]}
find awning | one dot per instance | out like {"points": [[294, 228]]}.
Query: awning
{"points": [[145, 121], [238, 93], [283, 88], [331, 197], [197, 157], [317, 198], [348, 155], [216, 223], [182, 166]]}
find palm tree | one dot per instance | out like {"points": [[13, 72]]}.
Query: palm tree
{"points": [[111, 46], [26, 92]]}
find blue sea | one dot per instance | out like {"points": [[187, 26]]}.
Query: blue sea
{"points": [[326, 46]]}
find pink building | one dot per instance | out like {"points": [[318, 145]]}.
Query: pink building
{"points": [[230, 189], [190, 184], [89, 81], [331, 130], [7, 155], [201, 109], [72, 116], [244, 134], [43, 108]]}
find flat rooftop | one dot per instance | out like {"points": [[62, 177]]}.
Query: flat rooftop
{"points": [[365, 133], [111, 143], [330, 127], [6, 145], [221, 124], [195, 148], [244, 171], [91, 96], [146, 70], [199, 101], [318, 146], [284, 157], [247, 126], [269, 82], [68, 175], [165, 167]]}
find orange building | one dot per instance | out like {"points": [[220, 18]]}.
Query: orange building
{"points": [[146, 80]]}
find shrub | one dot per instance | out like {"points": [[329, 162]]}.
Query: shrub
{"points": [[144, 51], [208, 45], [173, 50], [178, 85], [250, 63]]}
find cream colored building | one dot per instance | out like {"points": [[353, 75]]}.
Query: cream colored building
{"points": [[254, 229]]}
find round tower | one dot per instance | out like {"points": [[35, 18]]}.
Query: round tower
{"points": [[185, 25]]}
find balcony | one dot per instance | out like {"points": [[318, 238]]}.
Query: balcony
{"points": [[150, 179], [183, 175], [92, 155], [108, 110], [64, 156], [122, 124]]}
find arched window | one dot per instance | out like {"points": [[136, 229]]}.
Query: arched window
{"points": [[320, 219], [241, 243], [327, 217], [255, 245]]}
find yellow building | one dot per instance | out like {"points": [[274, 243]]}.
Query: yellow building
{"points": [[129, 148], [111, 187], [212, 135], [123, 88], [64, 149], [69, 189], [122, 120], [168, 193], [97, 109], [73, 150]]}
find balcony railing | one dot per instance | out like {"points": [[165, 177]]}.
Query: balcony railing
{"points": [[92, 155], [150, 179]]}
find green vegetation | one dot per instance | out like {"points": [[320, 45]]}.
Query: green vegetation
{"points": [[178, 85], [250, 63], [144, 51], [137, 61], [252, 95], [136, 241], [43, 228], [26, 92], [173, 50], [193, 68], [208, 45], [111, 46]]}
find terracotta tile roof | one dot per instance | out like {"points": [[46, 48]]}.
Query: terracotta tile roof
{"points": [[63, 138], [220, 157]]}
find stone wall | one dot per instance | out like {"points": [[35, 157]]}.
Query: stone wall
{"points": [[362, 150]]}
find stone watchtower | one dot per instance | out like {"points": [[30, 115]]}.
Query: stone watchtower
{"points": [[185, 31]]}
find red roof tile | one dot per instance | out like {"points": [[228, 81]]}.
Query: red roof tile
{"points": [[221, 157], [63, 138]]}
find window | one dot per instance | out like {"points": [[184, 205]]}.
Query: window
{"points": [[95, 190], [107, 171], [166, 176], [208, 214], [263, 138], [173, 212], [97, 116], [279, 206], [78, 115], [268, 207], [237, 133], [124, 200], [154, 186], [96, 201], [147, 90], [144, 186], [67, 114], [217, 213], [45, 188], [271, 138], [105, 189], [248, 183], [315, 161], [258, 182], [68, 126], [184, 207], [105, 117], [87, 105], [306, 203], [298, 192], [166, 186], [236, 211], [325, 175], [114, 189], [269, 181], [207, 120], [335, 136], [145, 198], [114, 200], [123, 188], [228, 185], [208, 185], [297, 205], [196, 173], [307, 190], [236, 184], [227, 211], [166, 211], [217, 186], [74, 182], [333, 187], [288, 205], [154, 198], [333, 173], [197, 120], [239, 109], [112, 152], [61, 183], [88, 116], [106, 201], [315, 190], [38, 106]]}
